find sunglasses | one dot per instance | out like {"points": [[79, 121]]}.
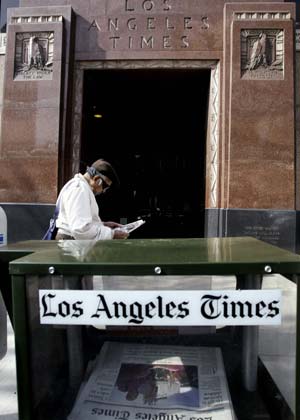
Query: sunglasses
{"points": [[105, 185]]}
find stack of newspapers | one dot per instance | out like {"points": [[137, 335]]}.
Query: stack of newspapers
{"points": [[130, 381]]}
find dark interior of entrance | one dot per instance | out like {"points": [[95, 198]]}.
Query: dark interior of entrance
{"points": [[151, 125]]}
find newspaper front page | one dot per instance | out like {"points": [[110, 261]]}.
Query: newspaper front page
{"points": [[155, 382]]}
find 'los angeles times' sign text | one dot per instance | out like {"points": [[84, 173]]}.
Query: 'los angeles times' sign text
{"points": [[160, 308]]}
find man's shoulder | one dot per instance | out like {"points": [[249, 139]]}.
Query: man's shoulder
{"points": [[78, 182]]}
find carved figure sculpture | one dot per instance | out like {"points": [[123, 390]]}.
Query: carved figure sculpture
{"points": [[258, 52], [36, 53]]}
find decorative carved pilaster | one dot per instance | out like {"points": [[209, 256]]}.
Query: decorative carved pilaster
{"points": [[213, 136]]}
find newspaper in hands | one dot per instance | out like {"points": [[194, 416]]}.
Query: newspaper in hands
{"points": [[131, 226]]}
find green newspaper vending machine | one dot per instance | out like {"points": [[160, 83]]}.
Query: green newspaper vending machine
{"points": [[157, 329], [11, 252]]}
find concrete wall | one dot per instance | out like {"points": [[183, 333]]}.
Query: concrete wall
{"points": [[24, 221]]}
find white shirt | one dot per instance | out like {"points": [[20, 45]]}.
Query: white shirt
{"points": [[78, 212]]}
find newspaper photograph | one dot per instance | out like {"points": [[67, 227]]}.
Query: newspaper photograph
{"points": [[155, 382]]}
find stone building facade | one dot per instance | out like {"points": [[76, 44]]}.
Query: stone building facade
{"points": [[193, 102]]}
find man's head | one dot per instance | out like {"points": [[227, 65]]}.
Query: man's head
{"points": [[102, 176]]}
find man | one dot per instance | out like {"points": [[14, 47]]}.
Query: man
{"points": [[78, 216]]}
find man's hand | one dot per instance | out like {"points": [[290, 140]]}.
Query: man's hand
{"points": [[120, 234], [112, 225]]}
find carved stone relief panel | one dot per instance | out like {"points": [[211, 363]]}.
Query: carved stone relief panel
{"points": [[34, 56], [262, 54]]}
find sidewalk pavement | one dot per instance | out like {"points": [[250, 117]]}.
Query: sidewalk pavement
{"points": [[8, 387]]}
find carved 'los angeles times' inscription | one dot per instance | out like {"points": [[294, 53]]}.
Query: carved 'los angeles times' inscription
{"points": [[148, 5], [150, 25]]}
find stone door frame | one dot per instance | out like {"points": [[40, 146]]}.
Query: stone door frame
{"points": [[213, 142]]}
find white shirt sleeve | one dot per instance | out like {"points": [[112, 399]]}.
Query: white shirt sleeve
{"points": [[81, 214]]}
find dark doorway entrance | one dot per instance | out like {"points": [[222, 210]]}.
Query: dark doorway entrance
{"points": [[151, 125]]}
